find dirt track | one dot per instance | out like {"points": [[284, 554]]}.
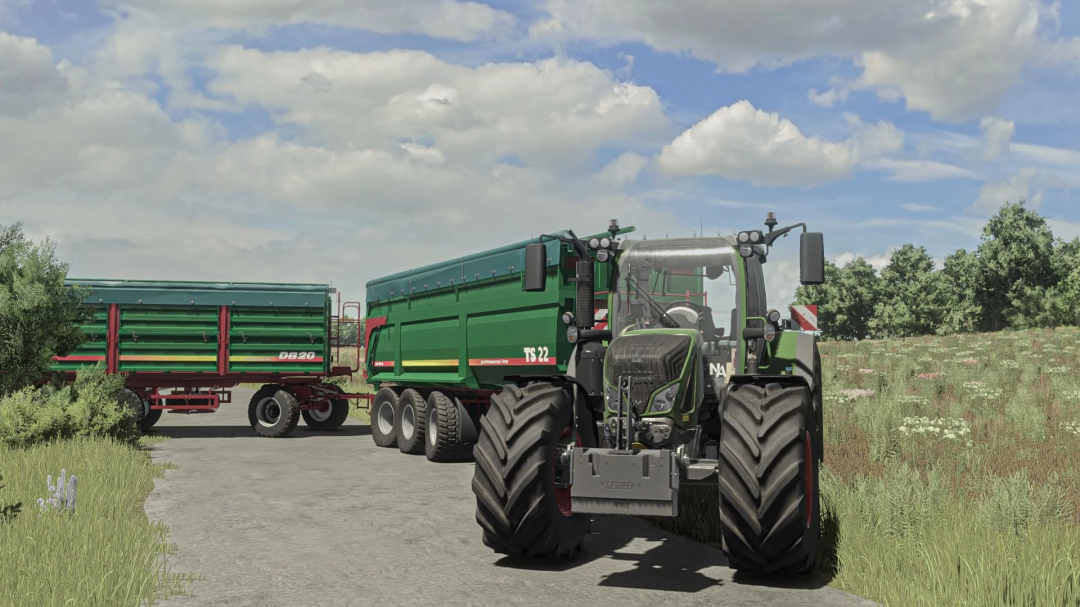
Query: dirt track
{"points": [[326, 519]]}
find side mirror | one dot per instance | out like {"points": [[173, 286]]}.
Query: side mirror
{"points": [[812, 258], [535, 267]]}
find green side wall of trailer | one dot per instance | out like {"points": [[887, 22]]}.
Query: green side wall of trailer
{"points": [[178, 327]]}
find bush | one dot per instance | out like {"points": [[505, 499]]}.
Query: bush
{"points": [[39, 315], [91, 408]]}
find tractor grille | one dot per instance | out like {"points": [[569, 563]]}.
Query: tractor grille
{"points": [[649, 360]]}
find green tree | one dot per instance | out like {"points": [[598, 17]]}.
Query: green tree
{"points": [[958, 281], [1016, 268], [911, 298], [846, 301], [39, 315]]}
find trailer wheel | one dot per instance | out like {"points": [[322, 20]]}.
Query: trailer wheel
{"points": [[517, 504], [144, 416], [411, 421], [383, 414], [274, 412], [769, 503], [332, 418], [443, 443]]}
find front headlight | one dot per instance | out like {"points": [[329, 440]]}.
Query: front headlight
{"points": [[663, 401]]}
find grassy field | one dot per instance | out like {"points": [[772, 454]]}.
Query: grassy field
{"points": [[108, 553], [952, 470]]}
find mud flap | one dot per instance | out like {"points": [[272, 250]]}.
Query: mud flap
{"points": [[641, 483]]}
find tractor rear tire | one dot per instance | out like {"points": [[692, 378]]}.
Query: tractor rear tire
{"points": [[326, 421], [443, 442], [383, 415], [275, 412], [410, 421], [769, 502], [517, 504]]}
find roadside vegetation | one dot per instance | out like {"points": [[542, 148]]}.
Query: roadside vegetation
{"points": [[68, 543], [951, 474]]}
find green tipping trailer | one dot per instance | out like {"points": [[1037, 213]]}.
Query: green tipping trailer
{"points": [[182, 345], [605, 374], [451, 332]]}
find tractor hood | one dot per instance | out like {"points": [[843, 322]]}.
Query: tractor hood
{"points": [[657, 364]]}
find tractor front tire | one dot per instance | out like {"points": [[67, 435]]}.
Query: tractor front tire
{"points": [[274, 412], [383, 414], [520, 510], [769, 502], [443, 430], [332, 418]]}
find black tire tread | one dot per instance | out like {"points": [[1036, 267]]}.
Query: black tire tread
{"points": [[419, 403], [447, 446], [290, 412], [381, 440], [339, 412], [762, 451], [513, 507]]}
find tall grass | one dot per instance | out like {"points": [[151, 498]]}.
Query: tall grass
{"points": [[107, 553], [952, 468]]}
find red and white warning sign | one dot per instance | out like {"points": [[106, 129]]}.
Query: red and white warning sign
{"points": [[600, 319], [805, 317]]}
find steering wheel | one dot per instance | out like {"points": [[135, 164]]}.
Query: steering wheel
{"points": [[700, 309]]}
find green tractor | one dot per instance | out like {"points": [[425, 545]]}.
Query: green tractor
{"points": [[693, 380]]}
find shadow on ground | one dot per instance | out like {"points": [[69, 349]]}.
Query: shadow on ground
{"points": [[676, 564], [214, 431]]}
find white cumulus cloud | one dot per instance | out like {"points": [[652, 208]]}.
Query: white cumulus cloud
{"points": [[952, 58], [450, 19], [741, 142]]}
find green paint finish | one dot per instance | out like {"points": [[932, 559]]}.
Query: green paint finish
{"points": [[264, 339], [477, 332], [135, 292], [162, 331], [689, 379], [165, 338]]}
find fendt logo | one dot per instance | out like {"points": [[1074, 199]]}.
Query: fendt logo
{"points": [[621, 486], [296, 356]]}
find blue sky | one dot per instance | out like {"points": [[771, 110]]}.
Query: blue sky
{"points": [[325, 141]]}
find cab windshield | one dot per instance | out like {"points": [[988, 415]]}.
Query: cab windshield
{"points": [[688, 282]]}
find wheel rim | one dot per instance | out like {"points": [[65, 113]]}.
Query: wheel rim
{"points": [[432, 424], [385, 418], [562, 496], [321, 416], [408, 422], [268, 412], [809, 490]]}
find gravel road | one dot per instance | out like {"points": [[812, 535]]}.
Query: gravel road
{"points": [[328, 519]]}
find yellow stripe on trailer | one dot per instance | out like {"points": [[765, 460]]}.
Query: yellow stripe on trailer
{"points": [[430, 363]]}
